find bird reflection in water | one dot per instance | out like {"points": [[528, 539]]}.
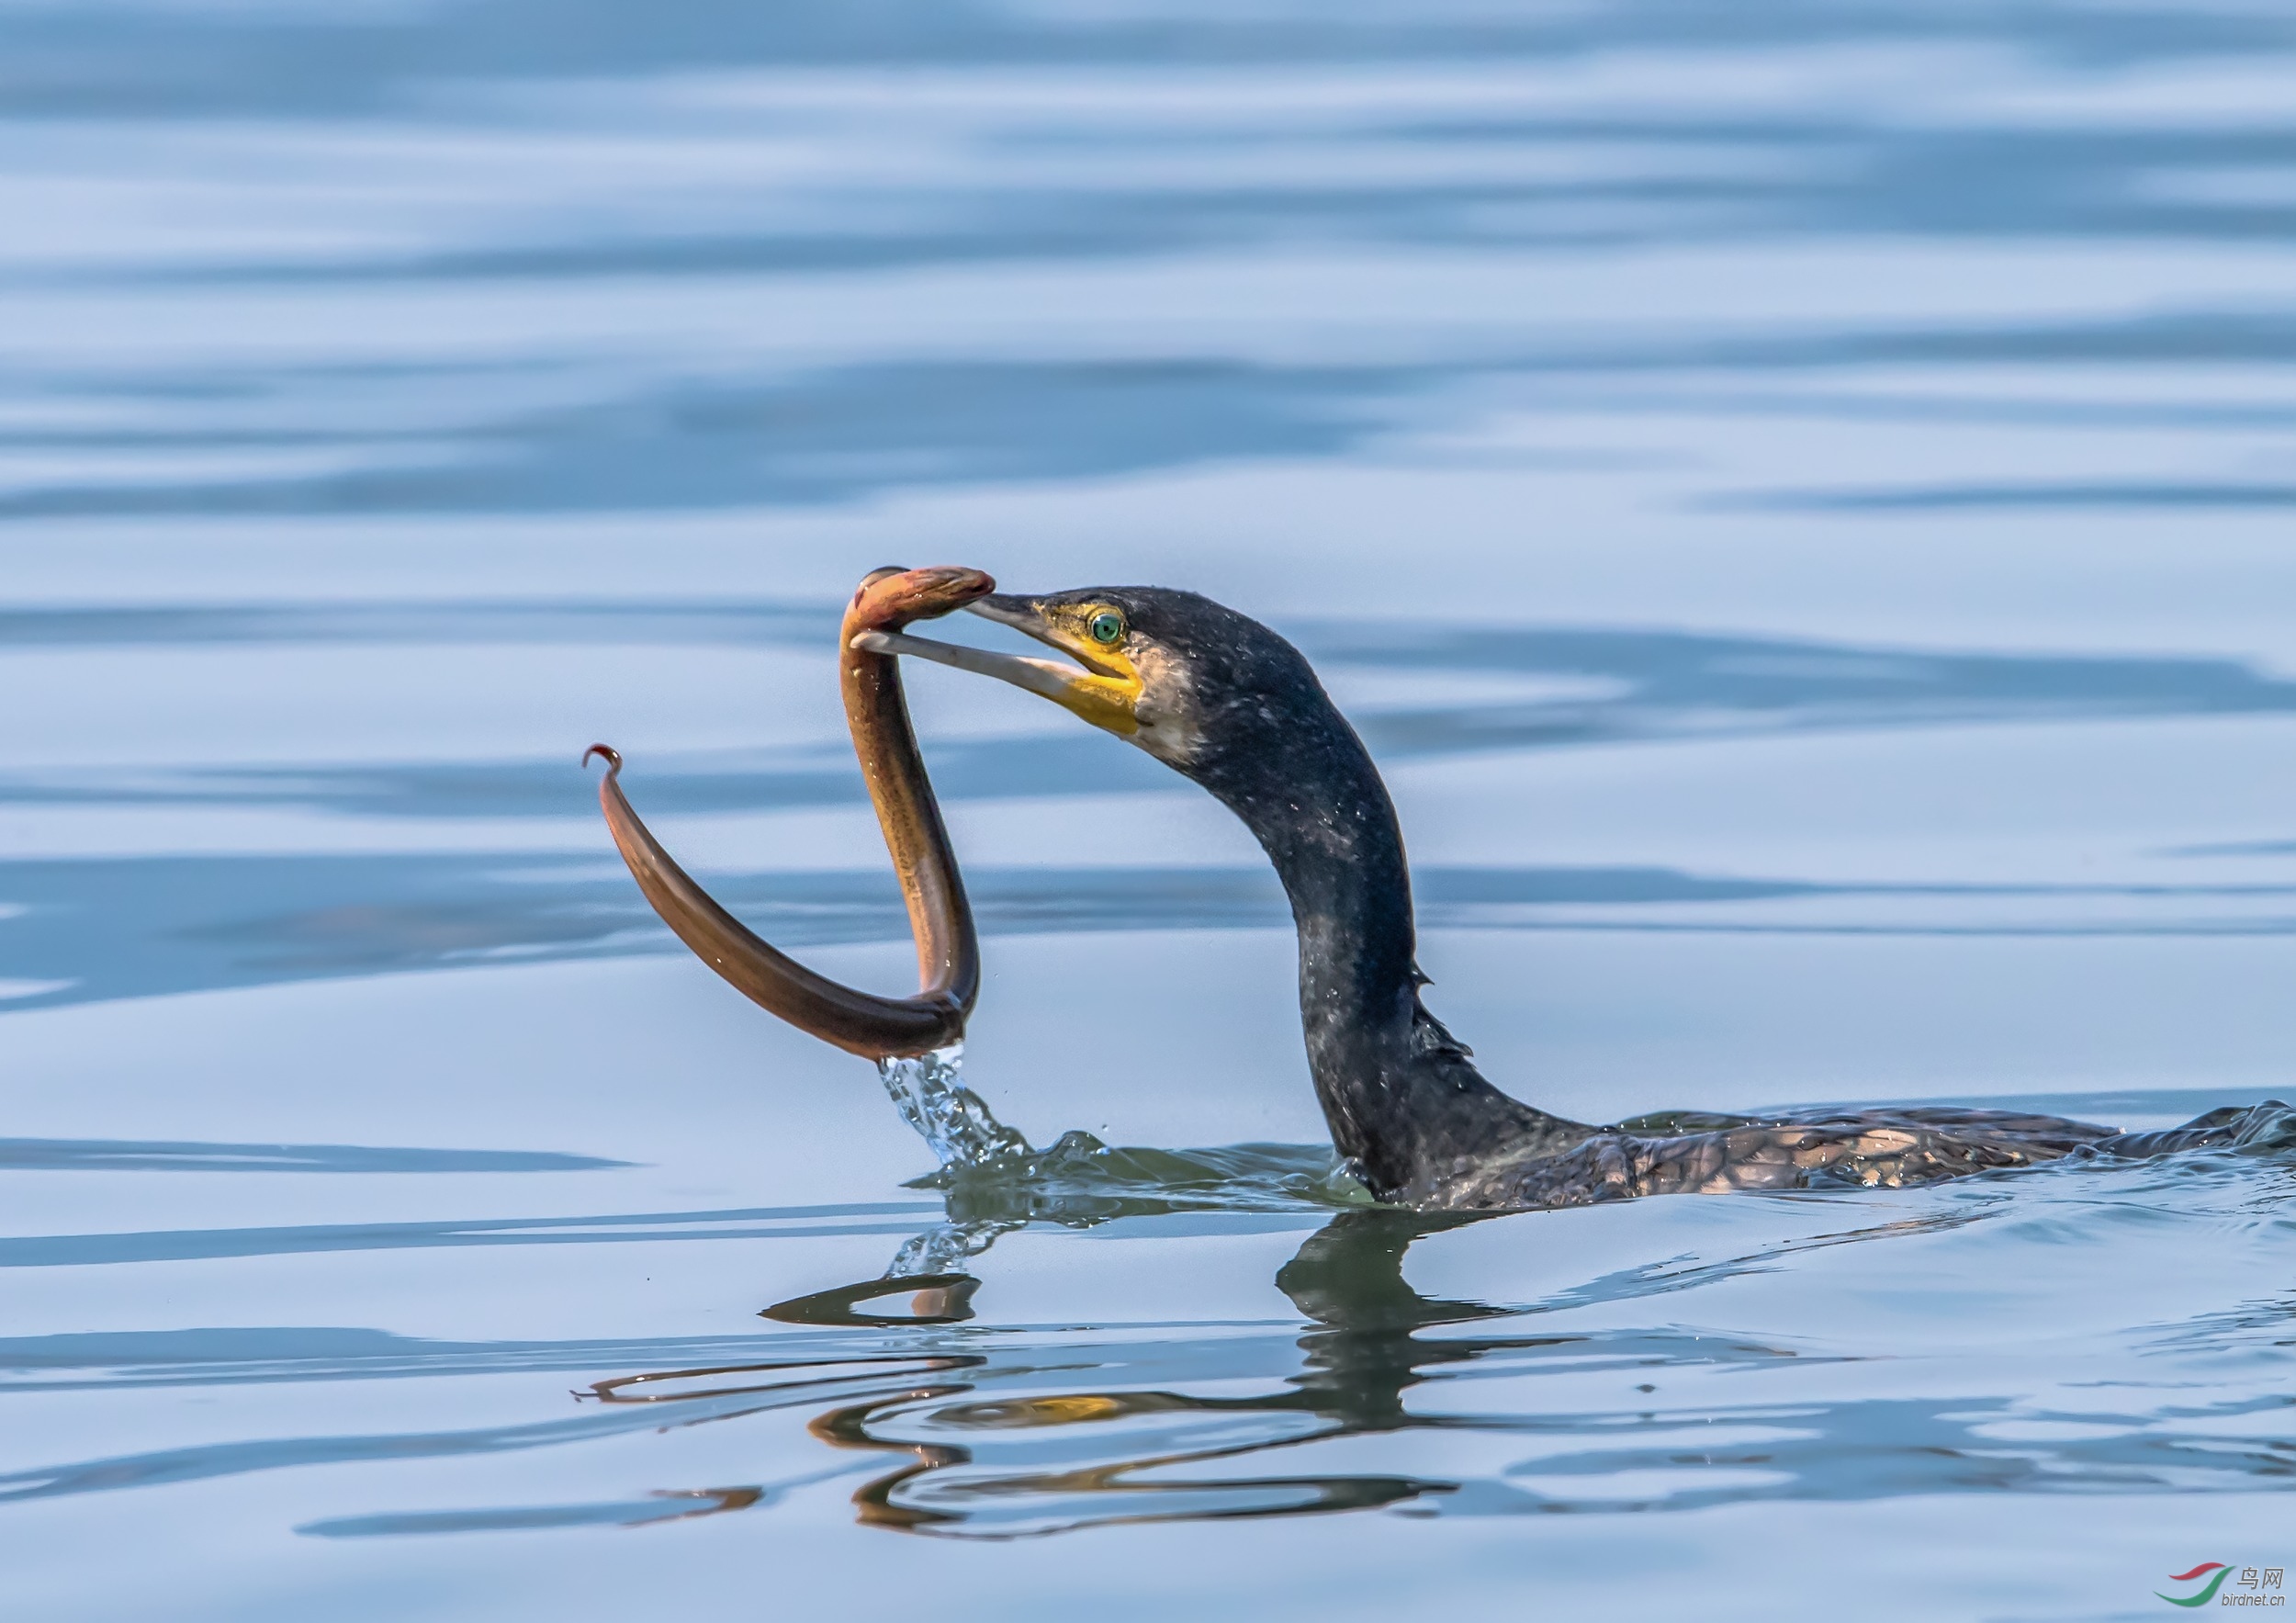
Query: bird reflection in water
{"points": [[1357, 1362]]}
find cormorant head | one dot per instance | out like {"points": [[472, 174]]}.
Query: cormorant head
{"points": [[1186, 679]]}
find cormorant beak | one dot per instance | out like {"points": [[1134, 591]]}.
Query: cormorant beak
{"points": [[1103, 685]]}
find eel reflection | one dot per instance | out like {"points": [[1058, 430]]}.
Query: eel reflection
{"points": [[1356, 1363]]}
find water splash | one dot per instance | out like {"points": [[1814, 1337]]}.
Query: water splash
{"points": [[964, 1133], [945, 1248], [995, 1181]]}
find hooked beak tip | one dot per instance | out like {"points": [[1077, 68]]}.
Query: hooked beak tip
{"points": [[889, 598], [611, 756]]}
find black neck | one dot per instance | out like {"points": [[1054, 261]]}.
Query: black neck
{"points": [[1400, 1096]]}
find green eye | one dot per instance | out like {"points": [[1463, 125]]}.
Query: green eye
{"points": [[1107, 626]]}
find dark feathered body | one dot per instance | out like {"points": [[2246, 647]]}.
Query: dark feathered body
{"points": [[1237, 708]]}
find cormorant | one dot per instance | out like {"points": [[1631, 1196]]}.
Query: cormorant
{"points": [[1229, 703]]}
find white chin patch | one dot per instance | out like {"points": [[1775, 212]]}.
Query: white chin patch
{"points": [[1164, 741], [1166, 714]]}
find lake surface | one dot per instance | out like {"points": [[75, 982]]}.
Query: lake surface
{"points": [[1798, 497]]}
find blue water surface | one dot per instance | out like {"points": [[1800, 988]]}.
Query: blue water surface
{"points": [[1798, 496]]}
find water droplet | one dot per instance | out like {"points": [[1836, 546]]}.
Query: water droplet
{"points": [[947, 1115]]}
